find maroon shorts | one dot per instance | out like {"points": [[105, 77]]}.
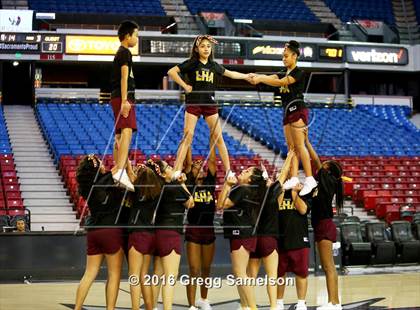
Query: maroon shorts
{"points": [[296, 261], [122, 122], [143, 241], [104, 241], [249, 244], [325, 229], [293, 117], [265, 246], [167, 241], [205, 110], [200, 235]]}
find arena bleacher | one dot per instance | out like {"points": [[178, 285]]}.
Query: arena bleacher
{"points": [[11, 203], [149, 7], [361, 9], [248, 9]]}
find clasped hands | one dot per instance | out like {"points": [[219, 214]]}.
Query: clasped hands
{"points": [[254, 78]]}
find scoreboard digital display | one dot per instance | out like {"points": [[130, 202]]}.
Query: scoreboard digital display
{"points": [[331, 53], [182, 48], [52, 44], [31, 43]]}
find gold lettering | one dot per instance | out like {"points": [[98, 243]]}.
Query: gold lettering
{"points": [[287, 205], [284, 89], [205, 76]]}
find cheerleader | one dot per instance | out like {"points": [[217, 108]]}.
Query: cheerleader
{"points": [[201, 72], [290, 84]]}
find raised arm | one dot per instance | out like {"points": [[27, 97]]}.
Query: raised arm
{"points": [[285, 168], [314, 156], [223, 202], [212, 164], [188, 161], [130, 172], [300, 204]]}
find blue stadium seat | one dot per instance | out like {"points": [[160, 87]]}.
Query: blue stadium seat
{"points": [[363, 9], [417, 7], [73, 129], [365, 130], [263, 9], [144, 7]]}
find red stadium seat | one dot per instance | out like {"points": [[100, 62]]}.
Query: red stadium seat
{"points": [[9, 174], [10, 181], [12, 188], [15, 203], [7, 168], [12, 195], [392, 213], [16, 212]]}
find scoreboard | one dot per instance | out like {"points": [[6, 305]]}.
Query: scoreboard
{"points": [[31, 43], [331, 53], [74, 47]]}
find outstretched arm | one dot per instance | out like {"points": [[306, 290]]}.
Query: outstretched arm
{"points": [[212, 160], [300, 204], [188, 161], [314, 156], [286, 167], [273, 80], [223, 202], [236, 75]]}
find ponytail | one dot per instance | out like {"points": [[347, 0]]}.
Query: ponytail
{"points": [[259, 181], [337, 172]]}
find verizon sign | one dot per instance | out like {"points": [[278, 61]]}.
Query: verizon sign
{"points": [[377, 55]]}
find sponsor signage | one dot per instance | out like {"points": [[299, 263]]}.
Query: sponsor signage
{"points": [[377, 55], [274, 51], [16, 20], [94, 45]]}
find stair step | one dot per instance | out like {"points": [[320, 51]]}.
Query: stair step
{"points": [[38, 175], [38, 181], [42, 188], [27, 164], [44, 195], [59, 203], [28, 140], [30, 148], [24, 160], [51, 210], [38, 169], [34, 154], [54, 226], [53, 218]]}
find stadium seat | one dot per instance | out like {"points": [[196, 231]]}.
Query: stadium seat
{"points": [[383, 250], [144, 7], [408, 248], [255, 10], [355, 250], [378, 10]]}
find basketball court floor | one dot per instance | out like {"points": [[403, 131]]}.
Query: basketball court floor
{"points": [[358, 291]]}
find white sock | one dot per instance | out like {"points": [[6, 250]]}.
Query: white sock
{"points": [[301, 302], [280, 301]]}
